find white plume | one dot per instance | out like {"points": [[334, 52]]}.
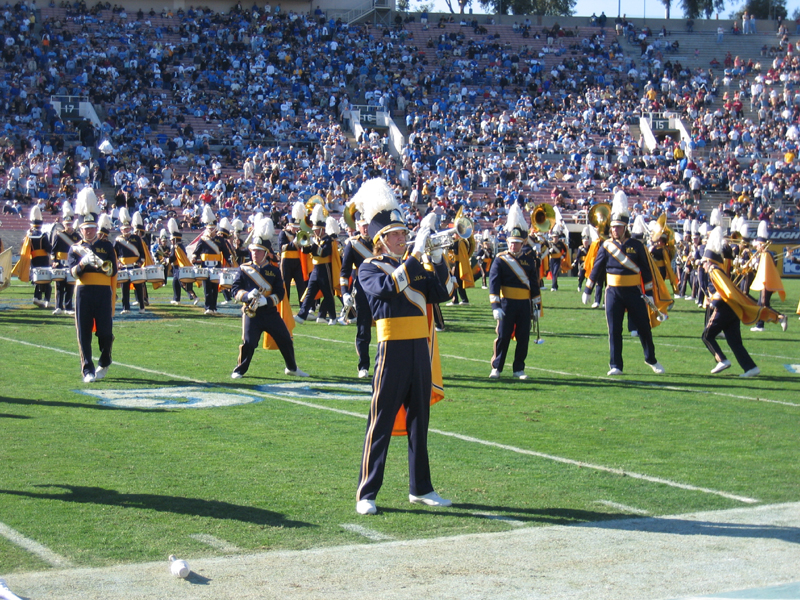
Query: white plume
{"points": [[332, 227], [374, 196]]}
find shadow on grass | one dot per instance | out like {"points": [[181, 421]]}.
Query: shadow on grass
{"points": [[547, 516], [8, 416], [199, 507]]}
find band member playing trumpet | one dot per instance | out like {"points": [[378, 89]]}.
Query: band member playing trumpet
{"points": [[514, 294], [93, 263], [623, 261], [398, 293], [259, 287]]}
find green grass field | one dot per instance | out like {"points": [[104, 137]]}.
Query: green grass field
{"points": [[99, 485]]}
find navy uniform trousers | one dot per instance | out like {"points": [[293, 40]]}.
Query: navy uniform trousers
{"points": [[291, 270], [618, 300], [319, 281], [93, 307], [402, 378], [363, 326], [253, 327], [517, 321], [724, 320]]}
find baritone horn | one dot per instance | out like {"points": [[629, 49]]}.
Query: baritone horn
{"points": [[303, 238], [599, 217], [543, 217], [461, 230]]}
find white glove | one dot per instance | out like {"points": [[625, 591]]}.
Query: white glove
{"points": [[421, 241], [347, 300], [498, 314], [585, 297], [436, 255], [262, 301], [86, 261], [253, 294]]}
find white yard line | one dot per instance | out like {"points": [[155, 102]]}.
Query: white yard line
{"points": [[370, 534], [458, 436], [623, 507], [47, 555], [214, 542]]}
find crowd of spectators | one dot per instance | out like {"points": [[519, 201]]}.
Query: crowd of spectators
{"points": [[247, 111]]}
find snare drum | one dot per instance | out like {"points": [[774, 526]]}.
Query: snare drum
{"points": [[70, 277], [123, 276], [213, 274], [200, 273], [41, 275], [137, 275], [154, 274], [59, 274], [184, 274], [226, 278]]}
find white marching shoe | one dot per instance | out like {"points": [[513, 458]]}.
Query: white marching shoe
{"points": [[100, 373], [362, 373], [721, 366], [751, 373], [495, 374], [88, 378], [615, 371], [634, 333], [296, 372], [520, 375], [657, 368], [236, 375], [299, 320], [366, 507], [429, 499]]}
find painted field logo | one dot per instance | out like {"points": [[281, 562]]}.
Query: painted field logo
{"points": [[177, 397], [319, 390]]}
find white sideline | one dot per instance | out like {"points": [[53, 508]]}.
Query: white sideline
{"points": [[628, 509], [370, 534], [458, 436], [47, 555]]}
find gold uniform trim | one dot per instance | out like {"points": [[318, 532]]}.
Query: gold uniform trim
{"points": [[402, 328], [290, 254], [319, 260], [210, 257], [514, 293], [623, 280], [94, 279], [129, 260], [61, 256]]}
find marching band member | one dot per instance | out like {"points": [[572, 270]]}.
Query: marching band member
{"points": [[729, 307], [61, 242], [398, 293], [767, 280], [746, 258], [485, 256], [104, 226], [93, 263], [259, 286], [514, 294], [130, 252], [325, 256], [293, 262], [579, 262], [161, 251], [558, 252], [356, 250], [240, 250], [225, 231], [34, 254], [178, 258], [461, 250], [211, 251], [624, 263]]}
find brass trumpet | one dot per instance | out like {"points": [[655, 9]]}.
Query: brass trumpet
{"points": [[462, 229], [303, 238], [106, 266], [249, 308], [543, 217]]}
